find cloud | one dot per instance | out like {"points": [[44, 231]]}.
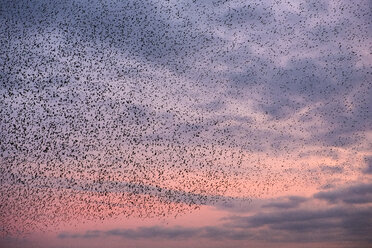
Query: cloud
{"points": [[142, 30], [162, 194], [236, 205], [156, 232], [291, 202], [356, 194], [331, 169], [174, 233], [276, 222], [152, 232], [278, 217], [291, 226], [368, 168], [327, 223]]}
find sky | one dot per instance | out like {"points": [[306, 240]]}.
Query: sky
{"points": [[189, 123]]}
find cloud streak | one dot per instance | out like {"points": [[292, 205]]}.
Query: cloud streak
{"points": [[286, 222]]}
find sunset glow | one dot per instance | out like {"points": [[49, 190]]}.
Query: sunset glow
{"points": [[185, 123]]}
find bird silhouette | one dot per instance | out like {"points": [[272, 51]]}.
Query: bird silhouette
{"points": [[149, 109]]}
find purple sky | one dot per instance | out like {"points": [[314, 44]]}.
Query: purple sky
{"points": [[185, 123]]}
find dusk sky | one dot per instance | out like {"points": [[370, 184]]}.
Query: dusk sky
{"points": [[167, 123]]}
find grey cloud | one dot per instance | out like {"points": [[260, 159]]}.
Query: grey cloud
{"points": [[305, 82], [250, 13], [331, 169], [167, 233], [87, 235], [356, 194], [291, 202], [155, 232], [102, 186], [215, 105], [316, 6], [300, 83], [325, 226], [368, 168], [140, 29], [327, 79], [263, 219], [237, 205], [325, 223], [308, 226]]}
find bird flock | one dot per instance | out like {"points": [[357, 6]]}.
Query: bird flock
{"points": [[155, 108]]}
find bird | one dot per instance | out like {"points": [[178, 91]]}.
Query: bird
{"points": [[118, 109]]}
